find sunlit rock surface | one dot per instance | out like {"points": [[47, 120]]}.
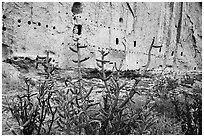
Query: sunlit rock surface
{"points": [[124, 29]]}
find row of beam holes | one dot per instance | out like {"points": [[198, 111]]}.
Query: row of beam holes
{"points": [[29, 22], [65, 13], [117, 40], [111, 49], [38, 23], [120, 20], [137, 63]]}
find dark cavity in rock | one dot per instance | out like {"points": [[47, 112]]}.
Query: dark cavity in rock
{"points": [[77, 8]]}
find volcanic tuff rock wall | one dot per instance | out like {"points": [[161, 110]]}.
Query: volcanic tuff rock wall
{"points": [[125, 29]]}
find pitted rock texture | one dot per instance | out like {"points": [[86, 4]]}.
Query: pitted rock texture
{"points": [[125, 29]]}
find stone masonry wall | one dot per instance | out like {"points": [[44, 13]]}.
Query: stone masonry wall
{"points": [[125, 29]]}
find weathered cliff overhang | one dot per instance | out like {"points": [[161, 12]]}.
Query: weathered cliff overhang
{"points": [[125, 29]]}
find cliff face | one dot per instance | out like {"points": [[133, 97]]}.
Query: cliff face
{"points": [[124, 29]]}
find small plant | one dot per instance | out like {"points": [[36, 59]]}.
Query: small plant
{"points": [[74, 103], [113, 112], [166, 126], [24, 112], [172, 106], [182, 102], [33, 110], [189, 112], [145, 119]]}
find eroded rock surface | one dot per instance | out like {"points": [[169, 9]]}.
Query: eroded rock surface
{"points": [[125, 29]]}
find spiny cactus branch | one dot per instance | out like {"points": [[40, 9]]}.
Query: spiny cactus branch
{"points": [[149, 58], [73, 49]]}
